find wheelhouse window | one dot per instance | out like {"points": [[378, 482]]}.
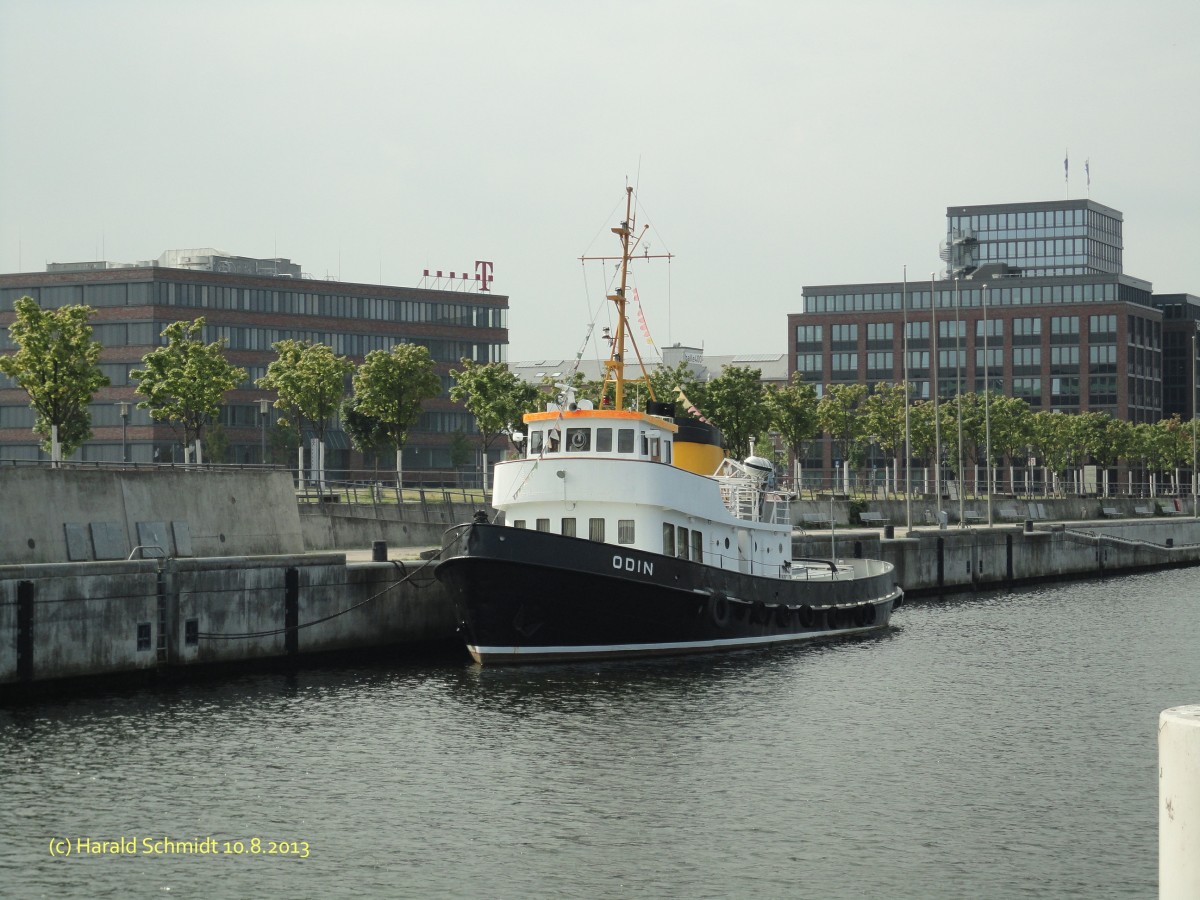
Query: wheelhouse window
{"points": [[543, 524], [655, 448], [535, 442], [553, 440], [697, 546], [568, 527], [596, 530], [682, 542], [518, 523], [624, 440], [604, 440], [579, 440], [624, 531], [668, 539]]}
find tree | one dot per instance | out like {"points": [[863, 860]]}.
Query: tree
{"points": [[366, 433], [734, 402], [840, 415], [793, 410], [392, 386], [668, 381], [497, 399], [185, 381], [460, 449], [883, 409], [56, 367], [310, 381]]}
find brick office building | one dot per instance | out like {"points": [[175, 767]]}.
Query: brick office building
{"points": [[134, 303], [1066, 328]]}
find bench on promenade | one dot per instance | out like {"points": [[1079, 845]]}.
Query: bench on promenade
{"points": [[815, 520], [868, 517], [1011, 513], [1168, 508], [971, 517], [1110, 512], [1143, 510]]}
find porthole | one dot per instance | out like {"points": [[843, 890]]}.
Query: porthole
{"points": [[726, 543]]}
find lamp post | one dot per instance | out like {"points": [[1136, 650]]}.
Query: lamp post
{"points": [[907, 433], [987, 419], [263, 406], [962, 522], [1195, 512], [937, 419], [123, 406]]}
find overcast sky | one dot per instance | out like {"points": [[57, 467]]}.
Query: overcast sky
{"points": [[773, 144]]}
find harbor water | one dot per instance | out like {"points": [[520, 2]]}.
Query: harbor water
{"points": [[998, 745]]}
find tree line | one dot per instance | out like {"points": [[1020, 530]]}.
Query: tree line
{"points": [[184, 381]]}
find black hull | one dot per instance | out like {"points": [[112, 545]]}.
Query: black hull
{"points": [[527, 596]]}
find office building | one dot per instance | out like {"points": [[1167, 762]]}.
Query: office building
{"points": [[1066, 328], [251, 303]]}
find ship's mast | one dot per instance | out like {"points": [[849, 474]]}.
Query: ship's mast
{"points": [[614, 366]]}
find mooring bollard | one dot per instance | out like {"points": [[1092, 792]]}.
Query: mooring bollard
{"points": [[379, 551], [1178, 803]]}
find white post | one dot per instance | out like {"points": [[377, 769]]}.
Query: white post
{"points": [[55, 446], [1178, 803], [300, 466], [199, 455], [399, 478], [321, 465]]}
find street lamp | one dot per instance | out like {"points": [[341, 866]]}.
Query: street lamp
{"points": [[962, 522], [937, 419], [907, 433], [263, 406], [123, 406], [987, 419], [1195, 511]]}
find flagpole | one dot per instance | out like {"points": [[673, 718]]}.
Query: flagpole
{"points": [[937, 425], [962, 522], [907, 433], [987, 420]]}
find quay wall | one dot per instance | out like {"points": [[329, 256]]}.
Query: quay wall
{"points": [[100, 618], [335, 526], [938, 561], [81, 515]]}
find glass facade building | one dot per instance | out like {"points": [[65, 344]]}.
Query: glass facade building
{"points": [[1065, 328], [250, 312]]}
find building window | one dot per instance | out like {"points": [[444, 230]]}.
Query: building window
{"points": [[1029, 390], [808, 336], [191, 632], [809, 364], [143, 636]]}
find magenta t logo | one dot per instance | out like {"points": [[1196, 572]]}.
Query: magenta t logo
{"points": [[483, 274]]}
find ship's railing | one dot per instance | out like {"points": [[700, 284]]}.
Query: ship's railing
{"points": [[745, 500]]}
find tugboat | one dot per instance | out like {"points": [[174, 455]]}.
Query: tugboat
{"points": [[628, 533]]}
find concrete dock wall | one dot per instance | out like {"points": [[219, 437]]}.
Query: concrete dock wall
{"points": [[71, 620], [82, 515], [953, 559], [335, 526]]}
